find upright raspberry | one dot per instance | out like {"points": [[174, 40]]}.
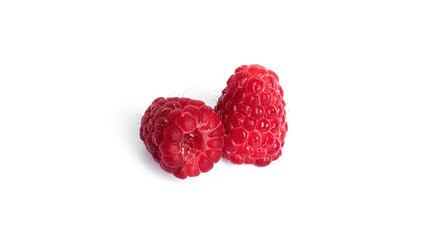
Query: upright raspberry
{"points": [[252, 110], [185, 136]]}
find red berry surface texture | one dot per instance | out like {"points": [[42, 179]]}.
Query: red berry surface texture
{"points": [[185, 136], [252, 110]]}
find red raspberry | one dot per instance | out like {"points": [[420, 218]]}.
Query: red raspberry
{"points": [[185, 136], [252, 110]]}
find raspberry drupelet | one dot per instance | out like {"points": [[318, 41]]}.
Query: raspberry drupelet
{"points": [[252, 110]]}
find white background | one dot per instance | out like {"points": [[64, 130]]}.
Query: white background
{"points": [[75, 74]]}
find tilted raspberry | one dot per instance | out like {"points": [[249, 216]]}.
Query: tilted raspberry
{"points": [[185, 136], [252, 110]]}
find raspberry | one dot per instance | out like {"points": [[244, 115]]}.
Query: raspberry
{"points": [[185, 136], [252, 110]]}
